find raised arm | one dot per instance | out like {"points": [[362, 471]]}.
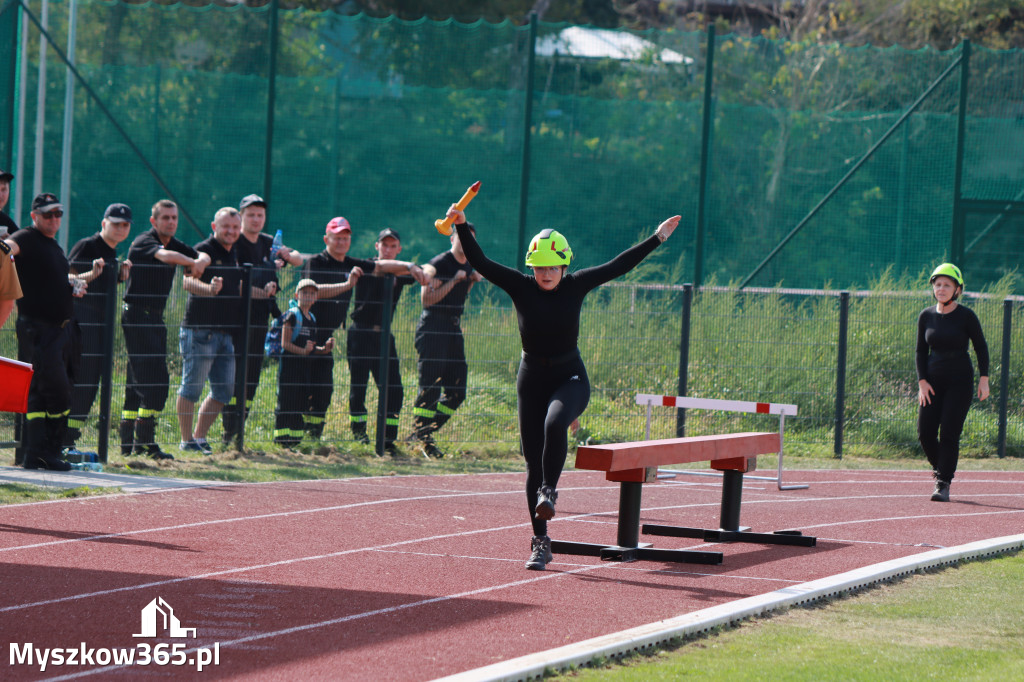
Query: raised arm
{"points": [[498, 274], [628, 259]]}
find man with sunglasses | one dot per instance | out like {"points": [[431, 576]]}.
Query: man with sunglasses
{"points": [[48, 338]]}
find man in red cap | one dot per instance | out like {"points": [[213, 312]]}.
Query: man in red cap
{"points": [[333, 266]]}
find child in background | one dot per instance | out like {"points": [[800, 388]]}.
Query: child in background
{"points": [[294, 373]]}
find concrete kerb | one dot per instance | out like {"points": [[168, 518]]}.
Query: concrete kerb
{"points": [[63, 480], [641, 638]]}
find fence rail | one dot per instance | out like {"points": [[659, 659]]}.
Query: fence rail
{"points": [[845, 358]]}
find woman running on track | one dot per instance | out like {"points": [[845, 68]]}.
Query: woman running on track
{"points": [[552, 385], [945, 374]]}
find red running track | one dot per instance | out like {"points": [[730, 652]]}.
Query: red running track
{"points": [[414, 578]]}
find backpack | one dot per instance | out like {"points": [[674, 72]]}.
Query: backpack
{"points": [[272, 347]]}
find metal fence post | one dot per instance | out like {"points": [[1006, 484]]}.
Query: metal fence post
{"points": [[268, 152], [684, 355], [242, 377], [705, 157], [524, 176], [956, 241], [844, 325], [107, 371], [1004, 374], [385, 362]]}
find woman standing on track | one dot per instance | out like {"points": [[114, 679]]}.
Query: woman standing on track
{"points": [[552, 385], [945, 375]]}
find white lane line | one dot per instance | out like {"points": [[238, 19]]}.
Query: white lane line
{"points": [[292, 512], [254, 567], [365, 614], [617, 565]]}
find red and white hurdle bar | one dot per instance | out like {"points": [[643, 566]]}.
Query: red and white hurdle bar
{"points": [[725, 406]]}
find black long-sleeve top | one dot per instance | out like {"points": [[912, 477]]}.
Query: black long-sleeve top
{"points": [[549, 321], [942, 342]]}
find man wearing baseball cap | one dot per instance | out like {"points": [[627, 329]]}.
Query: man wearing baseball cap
{"points": [[10, 287], [48, 338], [364, 342], [256, 248], [90, 310], [332, 266]]}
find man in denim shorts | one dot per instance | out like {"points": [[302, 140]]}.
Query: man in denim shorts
{"points": [[211, 315]]}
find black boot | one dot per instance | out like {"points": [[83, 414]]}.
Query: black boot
{"points": [[359, 433], [540, 553], [941, 493], [546, 497], [127, 432]]}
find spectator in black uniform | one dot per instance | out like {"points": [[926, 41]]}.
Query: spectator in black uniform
{"points": [[295, 371], [155, 255], [48, 338], [442, 366], [552, 385], [364, 342], [255, 248], [10, 288], [212, 313], [945, 374], [334, 266], [90, 311]]}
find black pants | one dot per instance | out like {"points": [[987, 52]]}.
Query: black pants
{"points": [[53, 351], [145, 341], [253, 367], [443, 372], [90, 366], [294, 383], [321, 389], [550, 397], [364, 360], [940, 423]]}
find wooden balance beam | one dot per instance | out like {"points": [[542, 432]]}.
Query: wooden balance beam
{"points": [[633, 464]]}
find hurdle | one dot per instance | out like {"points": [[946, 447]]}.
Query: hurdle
{"points": [[725, 406]]}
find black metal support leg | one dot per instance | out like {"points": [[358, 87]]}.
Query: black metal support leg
{"points": [[730, 531], [628, 537]]}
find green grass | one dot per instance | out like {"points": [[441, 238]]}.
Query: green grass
{"points": [[17, 493], [960, 623]]}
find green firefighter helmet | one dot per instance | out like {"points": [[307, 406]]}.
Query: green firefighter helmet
{"points": [[949, 270], [548, 248]]}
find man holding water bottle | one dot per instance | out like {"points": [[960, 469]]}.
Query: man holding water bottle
{"points": [[90, 311], [266, 254]]}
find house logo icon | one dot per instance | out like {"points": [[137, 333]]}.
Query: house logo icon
{"points": [[158, 616]]}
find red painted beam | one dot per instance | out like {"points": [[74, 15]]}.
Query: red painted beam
{"points": [[655, 453]]}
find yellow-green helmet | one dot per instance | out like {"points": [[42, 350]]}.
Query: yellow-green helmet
{"points": [[948, 270], [548, 248]]}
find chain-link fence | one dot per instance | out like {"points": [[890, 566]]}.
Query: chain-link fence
{"points": [[780, 346]]}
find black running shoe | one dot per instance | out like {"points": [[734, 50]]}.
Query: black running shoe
{"points": [[540, 553], [941, 493], [546, 497]]}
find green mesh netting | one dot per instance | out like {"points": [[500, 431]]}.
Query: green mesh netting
{"points": [[386, 122]]}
